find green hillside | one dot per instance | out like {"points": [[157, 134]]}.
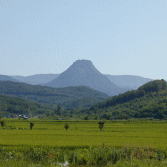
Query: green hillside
{"points": [[80, 103], [150, 100], [15, 105], [49, 95]]}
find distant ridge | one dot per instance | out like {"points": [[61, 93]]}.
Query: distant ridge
{"points": [[128, 81], [7, 78], [36, 79], [83, 73], [53, 96], [125, 82]]}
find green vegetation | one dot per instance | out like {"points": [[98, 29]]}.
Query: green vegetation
{"points": [[149, 101], [31, 125], [132, 135], [53, 134], [2, 124], [15, 105], [69, 97], [66, 126], [121, 143], [93, 156], [101, 124]]}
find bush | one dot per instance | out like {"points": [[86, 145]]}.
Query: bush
{"points": [[2, 124], [66, 126], [31, 125], [101, 124]]}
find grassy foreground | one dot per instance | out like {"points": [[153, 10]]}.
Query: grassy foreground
{"points": [[83, 144]]}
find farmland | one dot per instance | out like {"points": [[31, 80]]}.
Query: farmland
{"points": [[83, 133], [16, 135]]}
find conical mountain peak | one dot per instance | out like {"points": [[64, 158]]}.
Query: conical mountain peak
{"points": [[83, 63], [84, 73], [85, 66]]}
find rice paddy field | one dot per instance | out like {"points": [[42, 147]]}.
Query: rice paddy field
{"points": [[119, 143]]}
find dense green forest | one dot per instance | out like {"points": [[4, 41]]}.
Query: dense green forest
{"points": [[15, 105], [148, 101], [69, 97], [150, 87]]}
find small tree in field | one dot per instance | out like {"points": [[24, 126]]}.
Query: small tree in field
{"points": [[66, 126], [31, 125], [3, 124], [101, 124]]}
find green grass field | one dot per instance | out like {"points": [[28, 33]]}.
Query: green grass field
{"points": [[82, 137], [53, 134]]}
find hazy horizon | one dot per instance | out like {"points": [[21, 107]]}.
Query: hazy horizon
{"points": [[118, 37]]}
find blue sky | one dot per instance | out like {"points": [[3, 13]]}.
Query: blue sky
{"points": [[119, 37]]}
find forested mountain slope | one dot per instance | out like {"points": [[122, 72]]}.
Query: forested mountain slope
{"points": [[15, 105], [49, 95], [149, 100]]}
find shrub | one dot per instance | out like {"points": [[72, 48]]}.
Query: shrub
{"points": [[66, 126], [2, 124], [101, 124], [31, 125]]}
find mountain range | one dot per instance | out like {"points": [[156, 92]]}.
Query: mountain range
{"points": [[8, 78], [83, 73], [130, 82], [83, 90], [53, 96], [147, 102], [37, 79]]}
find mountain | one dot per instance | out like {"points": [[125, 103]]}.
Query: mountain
{"points": [[37, 79], [15, 105], [148, 101], [49, 95], [7, 78], [83, 72], [81, 103], [128, 81]]}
